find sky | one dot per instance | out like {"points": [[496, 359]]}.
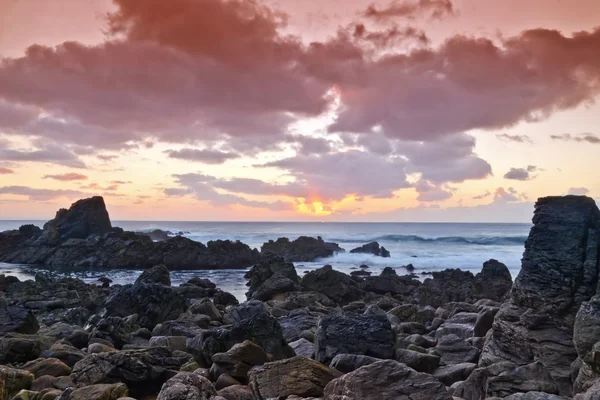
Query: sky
{"points": [[289, 110]]}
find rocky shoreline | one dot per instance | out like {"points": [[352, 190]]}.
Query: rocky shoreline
{"points": [[324, 335]]}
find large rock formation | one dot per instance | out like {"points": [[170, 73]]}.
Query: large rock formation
{"points": [[559, 272], [82, 236], [302, 249], [372, 248], [271, 277]]}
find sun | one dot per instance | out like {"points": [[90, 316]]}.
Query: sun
{"points": [[315, 208]]}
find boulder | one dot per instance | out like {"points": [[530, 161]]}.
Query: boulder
{"points": [[420, 362], [533, 396], [347, 333], [143, 371], [12, 381], [271, 277], [494, 281], [116, 330], [157, 274], [97, 392], [299, 324], [349, 362], [449, 374], [17, 319], [304, 248], [187, 386], [237, 361], [20, 349], [303, 347], [294, 376], [389, 282], [337, 286], [237, 392], [153, 302], [244, 311], [559, 272], [371, 248], [84, 218], [47, 366], [386, 379]]}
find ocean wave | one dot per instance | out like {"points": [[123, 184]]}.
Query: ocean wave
{"points": [[473, 240]]}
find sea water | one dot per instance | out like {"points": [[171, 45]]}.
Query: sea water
{"points": [[427, 246]]}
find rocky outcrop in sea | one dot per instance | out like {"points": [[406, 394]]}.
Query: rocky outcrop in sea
{"points": [[323, 336]]}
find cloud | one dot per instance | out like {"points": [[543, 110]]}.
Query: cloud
{"points": [[199, 186], [502, 195], [203, 156], [390, 37], [41, 194], [521, 174], [580, 191], [483, 195], [334, 176], [411, 9], [6, 171], [48, 153], [429, 192], [582, 138], [120, 182], [514, 138], [68, 177]]}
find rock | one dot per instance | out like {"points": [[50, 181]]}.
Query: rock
{"points": [[187, 386], [225, 380], [225, 298], [386, 379], [173, 343], [302, 249], [116, 330], [559, 272], [505, 378], [143, 371], [295, 300], [347, 333], [17, 319], [272, 277], [454, 350], [338, 286], [453, 285], [82, 237], [98, 392], [593, 393], [84, 218], [237, 361], [47, 366], [372, 248], [533, 396], [418, 361], [303, 348], [390, 282], [262, 329], [95, 348], [294, 376], [299, 324], [449, 374], [157, 274], [349, 362], [12, 381], [244, 311], [484, 322], [237, 392], [154, 303], [206, 307], [494, 281], [20, 349]]}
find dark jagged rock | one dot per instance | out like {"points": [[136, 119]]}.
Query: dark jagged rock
{"points": [[157, 274], [302, 249], [372, 248], [82, 237], [17, 319], [389, 282], [143, 371], [453, 285], [13, 381], [559, 272], [84, 218], [262, 329], [386, 379], [338, 286], [347, 333], [154, 303], [349, 362], [271, 277]]}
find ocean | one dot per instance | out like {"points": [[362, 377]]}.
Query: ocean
{"points": [[427, 246]]}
